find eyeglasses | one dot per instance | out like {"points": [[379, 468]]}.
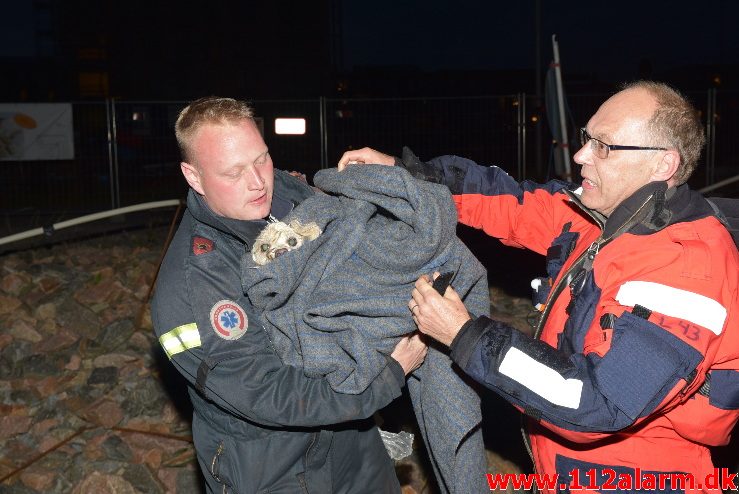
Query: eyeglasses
{"points": [[601, 149]]}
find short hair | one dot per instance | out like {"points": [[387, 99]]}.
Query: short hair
{"points": [[208, 110], [675, 124]]}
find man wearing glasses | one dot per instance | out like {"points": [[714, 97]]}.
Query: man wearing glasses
{"points": [[634, 368]]}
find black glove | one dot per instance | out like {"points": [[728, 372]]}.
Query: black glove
{"points": [[418, 168]]}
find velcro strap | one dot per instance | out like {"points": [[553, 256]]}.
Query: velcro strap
{"points": [[607, 321], [532, 412], [203, 369], [705, 388], [642, 312]]}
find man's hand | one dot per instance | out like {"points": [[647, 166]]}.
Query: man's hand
{"points": [[439, 317], [365, 155], [299, 175], [410, 352]]}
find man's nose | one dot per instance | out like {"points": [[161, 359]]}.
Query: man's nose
{"points": [[254, 179], [584, 155]]}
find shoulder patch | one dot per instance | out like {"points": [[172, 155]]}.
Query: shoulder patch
{"points": [[229, 320], [201, 245]]}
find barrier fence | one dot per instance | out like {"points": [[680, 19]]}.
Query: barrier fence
{"points": [[125, 151]]}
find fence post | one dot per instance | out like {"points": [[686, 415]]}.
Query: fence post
{"points": [[115, 199], [711, 136], [521, 135], [324, 131]]}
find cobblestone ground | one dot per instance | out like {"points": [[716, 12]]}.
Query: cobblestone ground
{"points": [[88, 403], [84, 405]]}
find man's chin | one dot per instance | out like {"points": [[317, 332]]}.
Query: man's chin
{"points": [[261, 209], [250, 214], [258, 214], [588, 200]]}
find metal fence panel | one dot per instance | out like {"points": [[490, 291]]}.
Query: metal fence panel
{"points": [[482, 129], [146, 156], [148, 160], [62, 187], [292, 152], [126, 152]]}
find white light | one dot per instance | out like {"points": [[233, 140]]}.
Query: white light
{"points": [[294, 126]]}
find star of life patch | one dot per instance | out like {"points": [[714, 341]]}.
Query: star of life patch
{"points": [[228, 320]]}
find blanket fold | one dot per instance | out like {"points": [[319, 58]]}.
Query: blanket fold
{"points": [[338, 305]]}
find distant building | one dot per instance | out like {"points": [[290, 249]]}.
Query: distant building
{"points": [[135, 49]]}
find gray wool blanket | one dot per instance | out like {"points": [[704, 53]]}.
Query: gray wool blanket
{"points": [[339, 304]]}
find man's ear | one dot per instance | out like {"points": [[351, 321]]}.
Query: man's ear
{"points": [[667, 166], [192, 175]]}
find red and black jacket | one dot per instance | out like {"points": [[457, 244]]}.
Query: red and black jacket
{"points": [[637, 362]]}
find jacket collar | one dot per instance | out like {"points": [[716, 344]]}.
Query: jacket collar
{"points": [[649, 209], [244, 230], [646, 206]]}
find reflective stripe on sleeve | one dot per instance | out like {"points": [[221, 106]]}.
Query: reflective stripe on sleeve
{"points": [[674, 302], [180, 339], [542, 380]]}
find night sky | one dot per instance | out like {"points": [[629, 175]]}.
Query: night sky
{"points": [[606, 40], [16, 29], [595, 35]]}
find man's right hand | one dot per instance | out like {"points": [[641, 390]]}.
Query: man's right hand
{"points": [[365, 156], [410, 352]]}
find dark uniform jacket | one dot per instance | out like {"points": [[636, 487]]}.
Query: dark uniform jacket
{"points": [[259, 425]]}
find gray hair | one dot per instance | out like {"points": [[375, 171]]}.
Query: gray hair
{"points": [[675, 124]]}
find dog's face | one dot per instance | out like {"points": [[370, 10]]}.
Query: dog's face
{"points": [[278, 238]]}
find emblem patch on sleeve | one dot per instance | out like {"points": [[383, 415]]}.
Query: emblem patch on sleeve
{"points": [[228, 320], [201, 245]]}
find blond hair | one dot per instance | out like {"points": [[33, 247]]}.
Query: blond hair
{"points": [[208, 110]]}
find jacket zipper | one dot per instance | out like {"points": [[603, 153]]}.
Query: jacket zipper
{"points": [[586, 257], [302, 481]]}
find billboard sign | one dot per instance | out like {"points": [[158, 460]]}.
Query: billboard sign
{"points": [[36, 131]]}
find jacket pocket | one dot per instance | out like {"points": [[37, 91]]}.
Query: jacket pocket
{"points": [[270, 464]]}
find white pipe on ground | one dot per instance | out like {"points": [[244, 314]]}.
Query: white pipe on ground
{"points": [[90, 217]]}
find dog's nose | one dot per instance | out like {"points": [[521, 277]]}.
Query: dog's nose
{"points": [[279, 252]]}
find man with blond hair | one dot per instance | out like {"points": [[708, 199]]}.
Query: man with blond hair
{"points": [[258, 425]]}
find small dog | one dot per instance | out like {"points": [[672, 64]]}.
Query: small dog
{"points": [[278, 238]]}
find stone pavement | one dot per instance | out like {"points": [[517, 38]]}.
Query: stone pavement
{"points": [[88, 402], [83, 403]]}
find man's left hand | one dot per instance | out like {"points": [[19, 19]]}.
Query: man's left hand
{"points": [[410, 352], [299, 175], [439, 317], [365, 156]]}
